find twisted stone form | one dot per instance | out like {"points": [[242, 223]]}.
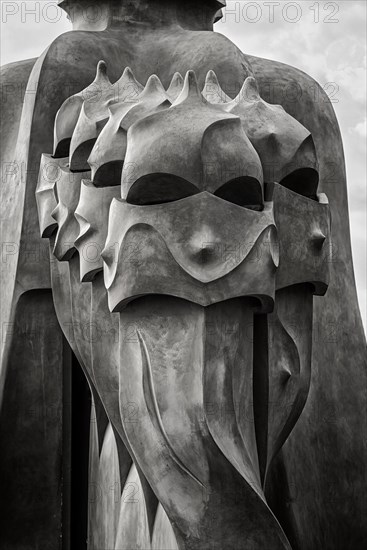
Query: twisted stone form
{"points": [[183, 359], [192, 307]]}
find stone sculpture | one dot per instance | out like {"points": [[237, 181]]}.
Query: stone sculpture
{"points": [[191, 258]]}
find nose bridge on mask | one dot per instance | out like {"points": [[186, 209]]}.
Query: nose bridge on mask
{"points": [[202, 247]]}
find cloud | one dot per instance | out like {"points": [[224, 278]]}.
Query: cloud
{"points": [[361, 128]]}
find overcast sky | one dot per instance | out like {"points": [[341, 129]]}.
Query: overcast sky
{"points": [[325, 39]]}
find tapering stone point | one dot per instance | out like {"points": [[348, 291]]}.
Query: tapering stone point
{"points": [[101, 70], [175, 87], [177, 79], [249, 91], [190, 89], [128, 73], [128, 77], [211, 77], [213, 91], [153, 86]]}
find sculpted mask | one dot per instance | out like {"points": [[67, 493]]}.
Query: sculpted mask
{"points": [[194, 246]]}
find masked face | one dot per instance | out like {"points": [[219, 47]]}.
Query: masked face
{"points": [[92, 216], [211, 260], [49, 173], [67, 190]]}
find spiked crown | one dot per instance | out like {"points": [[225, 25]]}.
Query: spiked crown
{"points": [[162, 144]]}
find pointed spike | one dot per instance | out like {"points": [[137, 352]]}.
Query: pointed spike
{"points": [[101, 73], [249, 91], [213, 91], [153, 85], [177, 79], [101, 80], [102, 67], [190, 89], [128, 75], [128, 86], [191, 81], [211, 77], [175, 86]]}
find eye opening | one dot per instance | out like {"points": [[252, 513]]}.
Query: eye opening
{"points": [[62, 149], [79, 158], [244, 191], [159, 188], [108, 174], [303, 181]]}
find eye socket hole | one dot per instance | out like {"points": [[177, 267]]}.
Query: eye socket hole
{"points": [[303, 181], [159, 188], [62, 149], [109, 174], [79, 159], [244, 191]]}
